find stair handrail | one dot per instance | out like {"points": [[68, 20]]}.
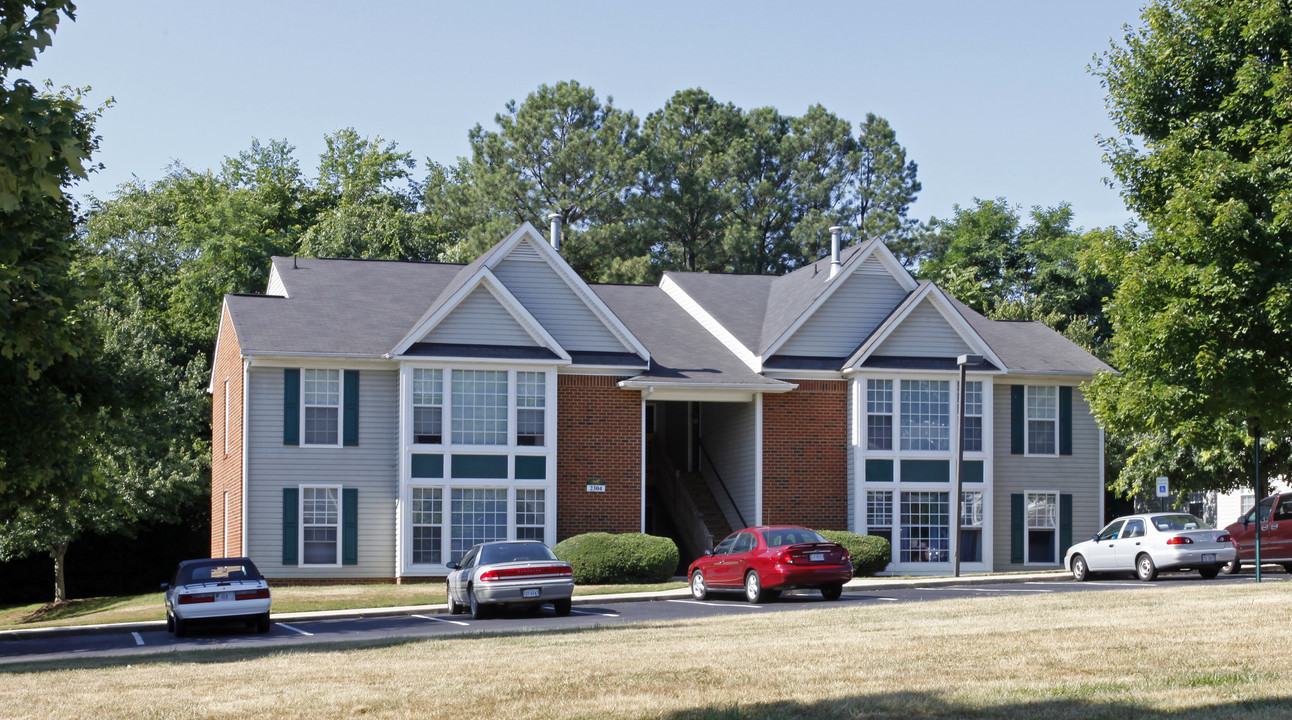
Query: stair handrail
{"points": [[704, 452], [680, 502]]}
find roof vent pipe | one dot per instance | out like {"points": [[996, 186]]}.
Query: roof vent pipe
{"points": [[834, 250], [555, 218]]}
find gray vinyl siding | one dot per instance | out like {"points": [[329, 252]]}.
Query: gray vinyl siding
{"points": [[727, 430], [1077, 474], [556, 306], [480, 320], [370, 467], [849, 316], [924, 333]]}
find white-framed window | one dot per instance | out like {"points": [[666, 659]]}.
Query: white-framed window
{"points": [[926, 523], [531, 403], [479, 409], [879, 514], [1042, 420], [476, 515], [321, 392], [428, 406], [531, 514], [879, 414], [321, 525], [428, 525], [926, 415], [971, 519], [973, 418], [1042, 528]]}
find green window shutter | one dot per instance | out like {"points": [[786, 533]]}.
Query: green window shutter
{"points": [[291, 518], [1017, 425], [1065, 420], [291, 406], [350, 526], [1016, 529], [350, 412], [1065, 524]]}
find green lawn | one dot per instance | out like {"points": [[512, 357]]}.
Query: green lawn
{"points": [[287, 598], [1143, 654]]}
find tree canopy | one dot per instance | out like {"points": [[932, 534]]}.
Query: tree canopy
{"points": [[1201, 95]]}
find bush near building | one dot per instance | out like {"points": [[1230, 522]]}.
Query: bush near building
{"points": [[600, 558], [870, 553]]}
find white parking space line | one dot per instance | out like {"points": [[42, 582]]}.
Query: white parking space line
{"points": [[971, 588], [293, 629], [586, 612], [1114, 583], [717, 604], [442, 620], [138, 638], [888, 599]]}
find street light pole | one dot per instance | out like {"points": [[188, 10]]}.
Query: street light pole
{"points": [[956, 505]]}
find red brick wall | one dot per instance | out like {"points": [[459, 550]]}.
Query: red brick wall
{"points": [[226, 468], [599, 435], [805, 458]]}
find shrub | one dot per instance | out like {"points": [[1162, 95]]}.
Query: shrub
{"points": [[602, 558], [870, 553]]}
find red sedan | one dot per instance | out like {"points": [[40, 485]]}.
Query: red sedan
{"points": [[768, 560]]}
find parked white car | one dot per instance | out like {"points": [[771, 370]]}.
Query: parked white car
{"points": [[216, 589], [509, 573], [1149, 543]]}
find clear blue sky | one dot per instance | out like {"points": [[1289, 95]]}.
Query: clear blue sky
{"points": [[989, 98]]}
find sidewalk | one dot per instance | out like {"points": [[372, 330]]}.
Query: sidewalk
{"points": [[873, 583]]}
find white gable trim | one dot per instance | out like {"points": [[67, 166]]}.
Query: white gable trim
{"points": [[710, 323], [942, 304], [485, 278], [527, 232], [219, 337], [881, 253], [276, 285]]}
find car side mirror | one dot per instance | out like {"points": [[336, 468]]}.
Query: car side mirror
{"points": [[165, 586], [709, 551], [451, 565], [1095, 537]]}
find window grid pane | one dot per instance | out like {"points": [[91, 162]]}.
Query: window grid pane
{"points": [[322, 401], [1042, 420], [428, 406], [428, 525], [973, 417], [926, 415], [478, 515], [971, 511], [879, 509], [879, 414], [480, 407], [925, 522], [320, 511], [530, 515], [1042, 511]]}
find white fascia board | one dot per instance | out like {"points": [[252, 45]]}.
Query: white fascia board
{"points": [[710, 323], [881, 253], [702, 393], [940, 303], [574, 282], [790, 375], [605, 369], [485, 277], [881, 333], [461, 361], [962, 326], [286, 359], [219, 335]]}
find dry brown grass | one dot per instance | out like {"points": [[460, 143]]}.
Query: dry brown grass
{"points": [[1134, 654]]}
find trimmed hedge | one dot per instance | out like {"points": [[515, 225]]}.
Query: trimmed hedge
{"points": [[602, 558], [870, 553]]}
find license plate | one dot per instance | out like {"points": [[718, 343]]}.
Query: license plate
{"points": [[223, 597], [529, 593], [1209, 557], [817, 557]]}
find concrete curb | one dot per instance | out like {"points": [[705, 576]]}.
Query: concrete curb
{"points": [[872, 584]]}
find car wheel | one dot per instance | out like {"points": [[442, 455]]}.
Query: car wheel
{"points": [[1208, 573], [181, 627], [832, 591], [562, 606], [1145, 568], [699, 590], [455, 607], [1287, 567], [262, 623], [479, 610], [1232, 567], [1080, 570], [754, 587]]}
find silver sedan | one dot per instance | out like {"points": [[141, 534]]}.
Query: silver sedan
{"points": [[517, 573], [1149, 543]]}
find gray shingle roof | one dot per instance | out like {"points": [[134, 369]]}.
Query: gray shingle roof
{"points": [[1031, 346], [681, 350]]}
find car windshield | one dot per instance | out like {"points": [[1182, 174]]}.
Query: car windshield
{"points": [[1183, 521], [791, 536], [219, 571], [514, 552]]}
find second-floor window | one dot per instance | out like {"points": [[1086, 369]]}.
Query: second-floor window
{"points": [[973, 417], [879, 414], [322, 396], [479, 407], [1042, 420], [428, 406], [926, 415], [531, 401]]}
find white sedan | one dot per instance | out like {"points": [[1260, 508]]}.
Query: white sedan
{"points": [[1149, 543], [216, 589]]}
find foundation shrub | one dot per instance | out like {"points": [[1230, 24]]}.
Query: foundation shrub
{"points": [[870, 553], [603, 559]]}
